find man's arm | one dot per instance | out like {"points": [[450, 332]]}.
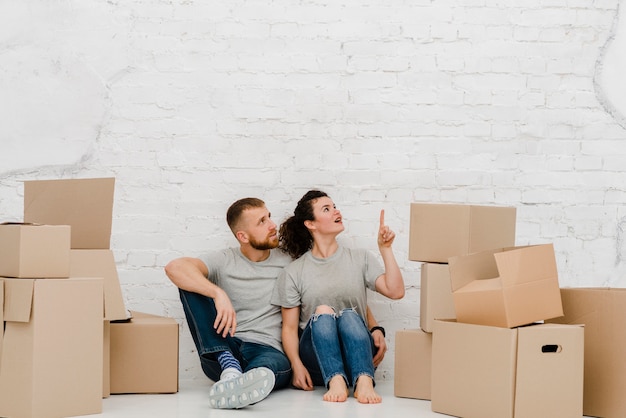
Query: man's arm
{"points": [[191, 274], [379, 338]]}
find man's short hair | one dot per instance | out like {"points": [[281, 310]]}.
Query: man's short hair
{"points": [[233, 214]]}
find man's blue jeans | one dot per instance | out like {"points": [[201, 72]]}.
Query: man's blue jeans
{"points": [[337, 344], [201, 313]]}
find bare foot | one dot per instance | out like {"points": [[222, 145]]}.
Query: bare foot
{"points": [[364, 391], [337, 390]]}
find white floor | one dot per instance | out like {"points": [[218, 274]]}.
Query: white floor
{"points": [[191, 402]]}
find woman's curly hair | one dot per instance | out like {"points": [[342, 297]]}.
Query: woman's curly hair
{"points": [[295, 238]]}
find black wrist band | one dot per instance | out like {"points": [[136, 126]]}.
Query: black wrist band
{"points": [[381, 329]]}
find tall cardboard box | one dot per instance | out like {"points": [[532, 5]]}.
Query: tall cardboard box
{"points": [[527, 372], [436, 301], [34, 251], [603, 311], [144, 355], [506, 287], [84, 204], [412, 370], [440, 231], [51, 364]]}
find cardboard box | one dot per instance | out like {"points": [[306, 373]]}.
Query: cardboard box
{"points": [[106, 360], [603, 311], [440, 231], [1, 316], [436, 301], [51, 364], [412, 369], [144, 355], [507, 287], [34, 251], [85, 204], [527, 372], [101, 263]]}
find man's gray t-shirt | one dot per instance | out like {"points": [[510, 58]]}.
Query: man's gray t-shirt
{"points": [[339, 281], [249, 286]]}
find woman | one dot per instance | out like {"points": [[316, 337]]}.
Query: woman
{"points": [[324, 300]]}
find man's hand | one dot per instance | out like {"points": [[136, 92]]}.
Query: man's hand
{"points": [[226, 319]]}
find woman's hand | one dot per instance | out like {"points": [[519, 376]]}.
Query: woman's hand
{"points": [[381, 344], [385, 235], [301, 378]]}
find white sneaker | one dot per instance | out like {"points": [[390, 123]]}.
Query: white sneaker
{"points": [[241, 390]]}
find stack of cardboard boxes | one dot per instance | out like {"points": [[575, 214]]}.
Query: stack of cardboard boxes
{"points": [[67, 333], [482, 349]]}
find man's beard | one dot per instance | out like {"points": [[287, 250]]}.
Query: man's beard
{"points": [[268, 244]]}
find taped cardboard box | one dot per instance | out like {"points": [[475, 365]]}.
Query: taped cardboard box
{"points": [[51, 361], [34, 251], [527, 372], [436, 301], [603, 312], [144, 355], [506, 287], [412, 369], [84, 204], [440, 231]]}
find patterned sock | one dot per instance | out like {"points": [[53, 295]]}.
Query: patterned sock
{"points": [[227, 360]]}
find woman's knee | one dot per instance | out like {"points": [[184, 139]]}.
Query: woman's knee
{"points": [[324, 309]]}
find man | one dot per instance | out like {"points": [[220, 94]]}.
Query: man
{"points": [[235, 328]]}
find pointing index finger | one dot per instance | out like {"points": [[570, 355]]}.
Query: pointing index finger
{"points": [[382, 217]]}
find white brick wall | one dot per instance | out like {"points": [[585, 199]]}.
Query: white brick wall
{"points": [[193, 104]]}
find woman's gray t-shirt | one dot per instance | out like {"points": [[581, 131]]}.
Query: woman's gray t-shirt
{"points": [[249, 286], [339, 281]]}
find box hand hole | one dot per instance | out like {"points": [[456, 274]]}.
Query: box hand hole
{"points": [[551, 348]]}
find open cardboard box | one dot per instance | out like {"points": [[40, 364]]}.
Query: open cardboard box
{"points": [[440, 231], [506, 287], [527, 372], [51, 353]]}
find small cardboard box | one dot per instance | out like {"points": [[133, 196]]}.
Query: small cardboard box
{"points": [[411, 377], [527, 372], [436, 301], [85, 204], [440, 231], [34, 251], [603, 312], [101, 263], [506, 287], [51, 363], [144, 355]]}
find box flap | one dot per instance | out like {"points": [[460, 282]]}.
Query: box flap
{"points": [[101, 263], [527, 264], [84, 204], [18, 299], [477, 266]]}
